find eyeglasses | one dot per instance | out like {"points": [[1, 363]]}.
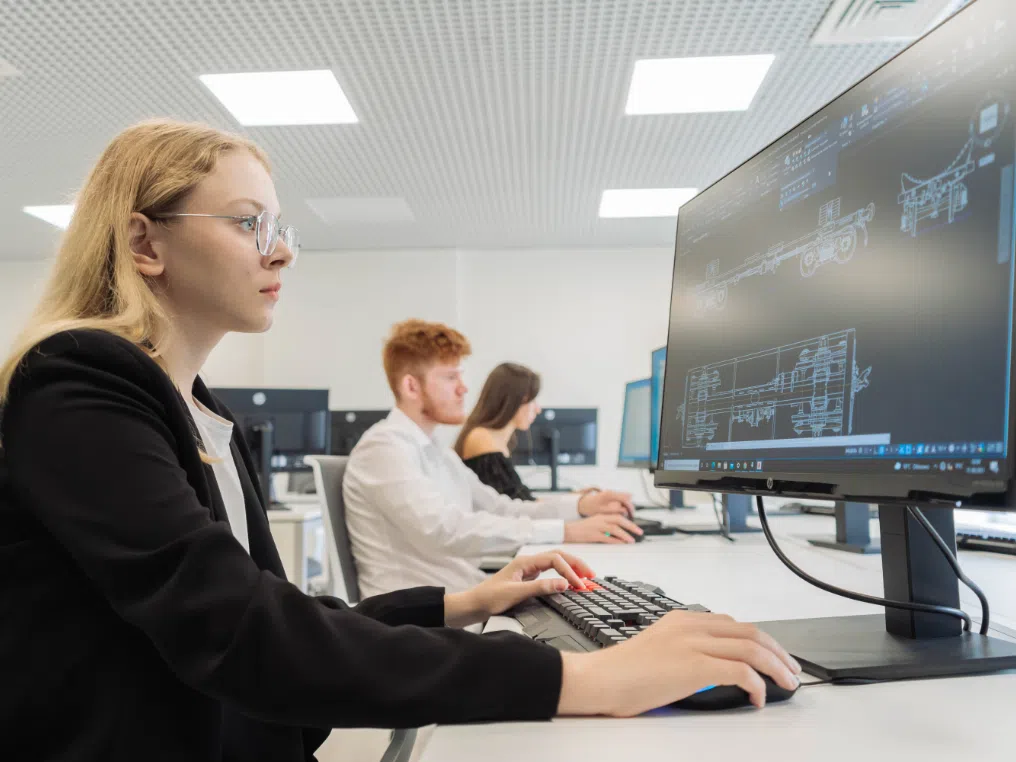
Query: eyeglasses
{"points": [[266, 227]]}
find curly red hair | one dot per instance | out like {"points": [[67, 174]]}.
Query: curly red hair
{"points": [[415, 345]]}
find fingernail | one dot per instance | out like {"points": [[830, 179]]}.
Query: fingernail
{"points": [[797, 666], [560, 584]]}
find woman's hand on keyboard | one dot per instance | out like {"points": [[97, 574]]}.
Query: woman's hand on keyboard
{"points": [[679, 655], [517, 582]]}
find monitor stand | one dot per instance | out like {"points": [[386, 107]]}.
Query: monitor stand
{"points": [[899, 644], [853, 530], [677, 501], [262, 436], [736, 509]]}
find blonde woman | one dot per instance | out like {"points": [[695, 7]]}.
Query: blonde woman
{"points": [[145, 611]]}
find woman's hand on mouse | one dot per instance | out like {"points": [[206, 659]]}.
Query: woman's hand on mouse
{"points": [[679, 655]]}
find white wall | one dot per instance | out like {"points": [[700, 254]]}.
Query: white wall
{"points": [[585, 320], [20, 288]]}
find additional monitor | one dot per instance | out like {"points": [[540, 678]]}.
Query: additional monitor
{"points": [[659, 363], [635, 426], [349, 425], [559, 436], [299, 419], [841, 328], [842, 307]]}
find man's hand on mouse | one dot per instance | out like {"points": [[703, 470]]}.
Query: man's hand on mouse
{"points": [[679, 655]]}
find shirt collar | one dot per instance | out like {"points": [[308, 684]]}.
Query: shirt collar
{"points": [[407, 424]]}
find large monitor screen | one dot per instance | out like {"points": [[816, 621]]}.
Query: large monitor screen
{"points": [[842, 309], [635, 425]]}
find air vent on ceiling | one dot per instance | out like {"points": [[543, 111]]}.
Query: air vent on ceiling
{"points": [[859, 21]]}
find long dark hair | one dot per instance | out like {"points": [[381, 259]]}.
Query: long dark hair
{"points": [[508, 387]]}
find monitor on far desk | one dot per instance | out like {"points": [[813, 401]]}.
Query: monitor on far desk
{"points": [[841, 328], [280, 427], [559, 436], [347, 426]]}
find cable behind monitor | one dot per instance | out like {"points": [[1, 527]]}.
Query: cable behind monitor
{"points": [[906, 606]]}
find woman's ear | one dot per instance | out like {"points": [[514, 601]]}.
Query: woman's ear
{"points": [[141, 234]]}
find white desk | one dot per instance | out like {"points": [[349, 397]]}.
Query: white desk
{"points": [[950, 719]]}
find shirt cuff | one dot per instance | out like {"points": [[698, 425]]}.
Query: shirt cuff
{"points": [[569, 509], [547, 532]]}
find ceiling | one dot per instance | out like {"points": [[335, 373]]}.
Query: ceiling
{"points": [[499, 122]]}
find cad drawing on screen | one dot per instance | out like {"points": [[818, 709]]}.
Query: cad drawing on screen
{"points": [[946, 193], [806, 389], [834, 240]]}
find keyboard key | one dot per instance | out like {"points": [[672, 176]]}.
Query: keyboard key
{"points": [[606, 634]]}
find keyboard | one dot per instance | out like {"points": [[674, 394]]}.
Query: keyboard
{"points": [[991, 538], [610, 612]]}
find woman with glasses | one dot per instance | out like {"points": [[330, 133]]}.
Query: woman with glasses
{"points": [[145, 610]]}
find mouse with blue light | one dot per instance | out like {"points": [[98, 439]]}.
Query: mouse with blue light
{"points": [[731, 697]]}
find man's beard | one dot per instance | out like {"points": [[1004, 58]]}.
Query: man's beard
{"points": [[431, 411]]}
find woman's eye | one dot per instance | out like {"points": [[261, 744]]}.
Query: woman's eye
{"points": [[247, 223]]}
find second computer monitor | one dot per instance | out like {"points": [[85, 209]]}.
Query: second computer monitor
{"points": [[575, 431], [635, 425], [299, 419], [349, 425]]}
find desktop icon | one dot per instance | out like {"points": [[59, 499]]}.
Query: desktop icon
{"points": [[898, 465], [920, 449], [993, 466]]}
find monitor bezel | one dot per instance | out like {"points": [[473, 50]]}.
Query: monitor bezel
{"points": [[926, 489]]}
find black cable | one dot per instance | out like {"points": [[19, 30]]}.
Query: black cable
{"points": [[951, 558], [906, 606]]}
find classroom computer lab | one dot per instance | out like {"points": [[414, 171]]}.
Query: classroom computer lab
{"points": [[507, 380]]}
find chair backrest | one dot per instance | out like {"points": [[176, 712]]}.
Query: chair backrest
{"points": [[329, 471]]}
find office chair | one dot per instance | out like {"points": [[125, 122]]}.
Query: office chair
{"points": [[329, 471]]}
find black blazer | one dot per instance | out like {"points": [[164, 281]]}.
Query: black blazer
{"points": [[133, 624]]}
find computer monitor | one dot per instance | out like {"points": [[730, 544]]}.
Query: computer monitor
{"points": [[841, 328], [659, 363], [559, 436], [635, 425], [349, 425], [298, 418]]}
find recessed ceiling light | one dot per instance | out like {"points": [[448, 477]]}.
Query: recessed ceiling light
{"points": [[56, 214], [335, 210], [260, 99], [644, 202], [696, 85]]}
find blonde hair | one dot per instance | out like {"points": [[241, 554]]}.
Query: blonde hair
{"points": [[148, 168]]}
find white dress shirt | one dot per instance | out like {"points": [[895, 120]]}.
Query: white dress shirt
{"points": [[417, 515]]}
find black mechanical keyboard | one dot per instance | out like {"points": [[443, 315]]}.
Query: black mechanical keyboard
{"points": [[610, 612]]}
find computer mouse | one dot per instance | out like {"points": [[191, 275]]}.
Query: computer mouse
{"points": [[730, 697]]}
